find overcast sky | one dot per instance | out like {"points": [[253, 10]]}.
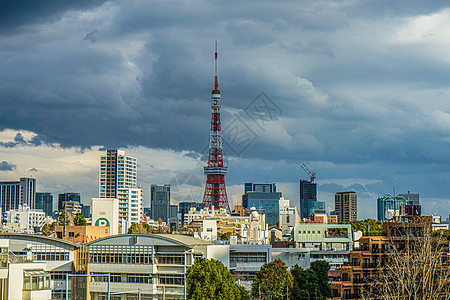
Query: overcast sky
{"points": [[358, 90]]}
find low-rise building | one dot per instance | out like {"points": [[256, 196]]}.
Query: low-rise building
{"points": [[32, 219], [329, 242], [81, 234]]}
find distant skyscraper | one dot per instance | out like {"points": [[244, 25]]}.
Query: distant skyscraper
{"points": [[117, 170], [412, 199], [14, 194], [160, 202], [263, 196], [389, 206], [308, 194], [86, 210], [68, 197], [346, 206], [44, 201]]}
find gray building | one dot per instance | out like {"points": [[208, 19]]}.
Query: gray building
{"points": [[160, 202], [44, 201], [346, 206], [68, 197], [16, 193], [185, 207]]}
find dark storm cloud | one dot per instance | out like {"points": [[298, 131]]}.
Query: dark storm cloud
{"points": [[141, 73], [17, 13], [6, 166]]}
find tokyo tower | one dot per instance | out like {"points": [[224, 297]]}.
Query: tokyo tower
{"points": [[215, 191]]}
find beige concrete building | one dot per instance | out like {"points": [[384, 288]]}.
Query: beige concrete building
{"points": [[81, 234]]}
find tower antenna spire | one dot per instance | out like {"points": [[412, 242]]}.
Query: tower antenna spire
{"points": [[216, 71]]}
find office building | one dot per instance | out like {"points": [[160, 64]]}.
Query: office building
{"points": [[388, 207], [86, 211], [346, 206], [160, 202], [411, 199], [14, 194], [317, 207], [147, 212], [308, 195], [263, 196], [44, 201], [66, 197], [117, 171]]}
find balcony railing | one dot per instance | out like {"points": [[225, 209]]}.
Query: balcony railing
{"points": [[370, 265]]}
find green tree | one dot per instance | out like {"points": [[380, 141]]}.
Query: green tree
{"points": [[143, 228], [273, 281], [48, 229], [63, 216], [321, 268], [368, 226], [311, 283], [210, 279], [79, 220], [244, 293]]}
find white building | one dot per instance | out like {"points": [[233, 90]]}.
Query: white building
{"points": [[105, 212], [29, 218], [131, 207], [289, 217]]}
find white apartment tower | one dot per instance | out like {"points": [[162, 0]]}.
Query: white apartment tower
{"points": [[118, 179]]}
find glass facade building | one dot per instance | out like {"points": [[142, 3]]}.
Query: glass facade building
{"points": [[263, 196], [44, 201], [389, 206], [308, 194]]}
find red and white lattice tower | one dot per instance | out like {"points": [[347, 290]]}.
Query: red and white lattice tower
{"points": [[215, 191]]}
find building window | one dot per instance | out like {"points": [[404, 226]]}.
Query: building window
{"points": [[139, 278], [171, 279], [175, 259]]}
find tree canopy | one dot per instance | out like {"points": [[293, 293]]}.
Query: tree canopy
{"points": [[210, 279], [273, 281], [311, 283], [79, 220], [139, 228], [368, 226]]}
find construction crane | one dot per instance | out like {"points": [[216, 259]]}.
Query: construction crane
{"points": [[312, 175]]}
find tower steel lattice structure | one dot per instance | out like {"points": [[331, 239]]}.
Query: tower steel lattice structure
{"points": [[215, 190]]}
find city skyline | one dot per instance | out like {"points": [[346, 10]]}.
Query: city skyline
{"points": [[357, 91]]}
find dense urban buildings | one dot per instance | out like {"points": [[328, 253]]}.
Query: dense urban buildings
{"points": [[44, 201], [308, 195], [160, 202], [68, 197], [346, 206], [388, 207], [14, 194]]}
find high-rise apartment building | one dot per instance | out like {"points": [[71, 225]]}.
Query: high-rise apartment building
{"points": [[118, 179], [308, 195], [346, 206], [14, 194], [160, 202], [117, 171], [44, 201], [131, 208], [68, 197]]}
